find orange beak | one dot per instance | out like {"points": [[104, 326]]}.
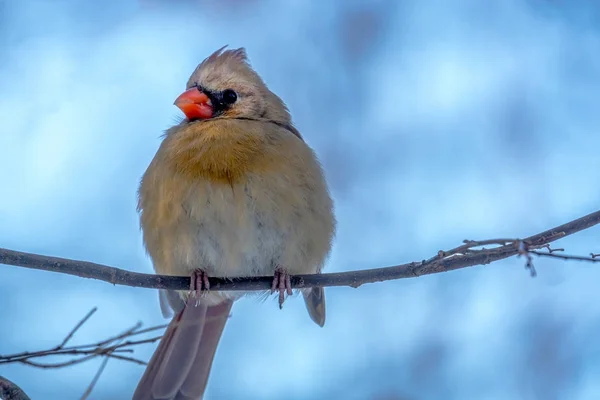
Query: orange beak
{"points": [[194, 104]]}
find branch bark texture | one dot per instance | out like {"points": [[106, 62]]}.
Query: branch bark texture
{"points": [[10, 391], [466, 255]]}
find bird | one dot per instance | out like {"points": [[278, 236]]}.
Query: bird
{"points": [[234, 190]]}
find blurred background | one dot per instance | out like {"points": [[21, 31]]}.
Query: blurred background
{"points": [[436, 122]]}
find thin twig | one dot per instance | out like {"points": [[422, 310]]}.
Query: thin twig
{"points": [[93, 351], [54, 365], [125, 334], [129, 359], [151, 329], [551, 250], [355, 279], [469, 246], [107, 348], [92, 384], [566, 256], [83, 320], [113, 347]]}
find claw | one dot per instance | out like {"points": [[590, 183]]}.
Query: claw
{"points": [[282, 283], [199, 283]]}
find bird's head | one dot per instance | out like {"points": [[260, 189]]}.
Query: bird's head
{"points": [[224, 85]]}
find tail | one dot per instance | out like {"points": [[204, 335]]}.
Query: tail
{"points": [[179, 368], [315, 304]]}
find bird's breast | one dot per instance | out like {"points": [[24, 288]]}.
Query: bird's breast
{"points": [[229, 230], [235, 228], [235, 206]]}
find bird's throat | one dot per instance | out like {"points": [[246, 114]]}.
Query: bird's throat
{"points": [[218, 152]]}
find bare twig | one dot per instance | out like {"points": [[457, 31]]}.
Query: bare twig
{"points": [[460, 257], [10, 391], [76, 327], [566, 256], [92, 384], [131, 359], [129, 332], [112, 347], [469, 246], [63, 364], [108, 348], [87, 352], [551, 250]]}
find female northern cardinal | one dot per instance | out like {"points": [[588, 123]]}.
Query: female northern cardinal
{"points": [[233, 191]]}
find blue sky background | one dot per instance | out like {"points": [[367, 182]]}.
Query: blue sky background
{"points": [[436, 121]]}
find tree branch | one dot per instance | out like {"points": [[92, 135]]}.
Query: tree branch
{"points": [[466, 255], [112, 347], [108, 349], [10, 391]]}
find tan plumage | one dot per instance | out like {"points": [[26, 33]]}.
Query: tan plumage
{"points": [[236, 194]]}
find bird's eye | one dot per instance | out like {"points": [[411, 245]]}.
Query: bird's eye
{"points": [[229, 96]]}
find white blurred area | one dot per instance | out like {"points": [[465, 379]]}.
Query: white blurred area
{"points": [[436, 122]]}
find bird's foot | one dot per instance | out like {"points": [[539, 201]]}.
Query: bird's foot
{"points": [[281, 283], [198, 283]]}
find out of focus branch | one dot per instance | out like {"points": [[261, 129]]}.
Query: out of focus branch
{"points": [[10, 391], [468, 254], [113, 347]]}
